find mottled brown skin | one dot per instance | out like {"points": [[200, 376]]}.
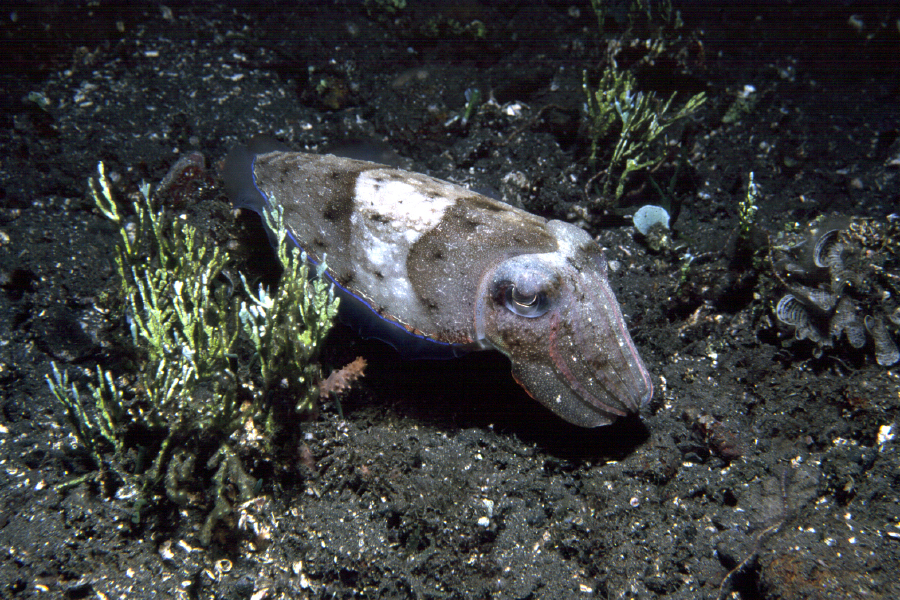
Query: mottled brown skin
{"points": [[447, 264]]}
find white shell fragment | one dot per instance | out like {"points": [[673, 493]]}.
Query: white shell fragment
{"points": [[648, 216]]}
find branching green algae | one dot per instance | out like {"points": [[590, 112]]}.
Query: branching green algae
{"points": [[747, 208], [193, 395], [633, 122], [286, 333]]}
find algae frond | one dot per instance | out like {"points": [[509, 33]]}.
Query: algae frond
{"points": [[634, 123], [748, 207]]}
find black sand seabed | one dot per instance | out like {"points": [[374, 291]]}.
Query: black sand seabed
{"points": [[758, 471]]}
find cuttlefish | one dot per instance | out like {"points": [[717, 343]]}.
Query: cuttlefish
{"points": [[436, 270]]}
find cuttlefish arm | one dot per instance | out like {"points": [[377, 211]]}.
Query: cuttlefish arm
{"points": [[436, 270]]}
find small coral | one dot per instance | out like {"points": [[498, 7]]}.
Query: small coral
{"points": [[343, 379]]}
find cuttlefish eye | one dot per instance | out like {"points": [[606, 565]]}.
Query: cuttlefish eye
{"points": [[526, 304], [526, 288]]}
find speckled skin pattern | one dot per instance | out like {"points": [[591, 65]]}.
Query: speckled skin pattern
{"points": [[437, 270]]}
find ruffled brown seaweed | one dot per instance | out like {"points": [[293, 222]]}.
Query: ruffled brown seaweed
{"points": [[843, 280]]}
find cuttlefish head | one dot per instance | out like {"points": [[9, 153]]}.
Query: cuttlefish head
{"points": [[555, 316]]}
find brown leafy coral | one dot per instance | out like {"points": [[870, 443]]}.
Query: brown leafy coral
{"points": [[842, 279]]}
